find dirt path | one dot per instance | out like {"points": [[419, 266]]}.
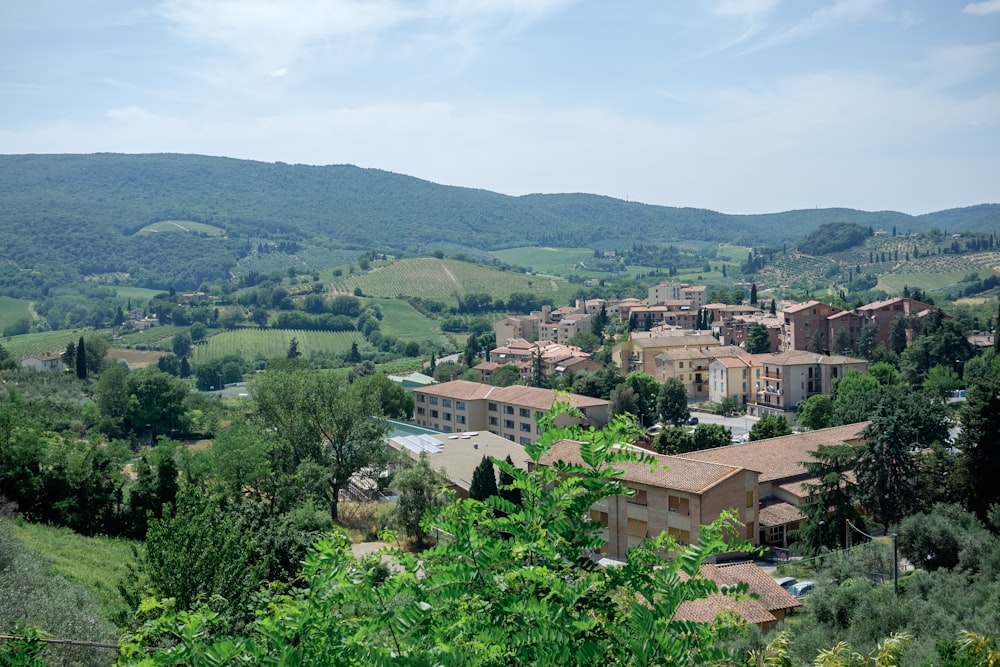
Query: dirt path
{"points": [[450, 274]]}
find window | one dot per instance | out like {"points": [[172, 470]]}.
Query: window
{"points": [[639, 498], [492, 407], [494, 421], [523, 412], [459, 419], [508, 423], [525, 441], [445, 402], [434, 400], [598, 516], [508, 409], [420, 411], [683, 537], [510, 437], [749, 498], [526, 427], [459, 405], [434, 414], [636, 528], [420, 398], [678, 504], [447, 416]]}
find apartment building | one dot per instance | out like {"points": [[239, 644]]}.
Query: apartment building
{"points": [[882, 313], [563, 329], [672, 291], [850, 322], [734, 329], [510, 412], [690, 365], [556, 359], [678, 496], [639, 352], [782, 479], [803, 321], [791, 377]]}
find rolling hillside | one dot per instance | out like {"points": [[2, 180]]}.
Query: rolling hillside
{"points": [[66, 216]]}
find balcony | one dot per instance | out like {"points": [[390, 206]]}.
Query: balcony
{"points": [[772, 375]]}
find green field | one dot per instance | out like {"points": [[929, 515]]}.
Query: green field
{"points": [[401, 320], [12, 310], [263, 344], [158, 338], [894, 282], [442, 279], [138, 295], [182, 226], [99, 563], [22, 347], [557, 261]]}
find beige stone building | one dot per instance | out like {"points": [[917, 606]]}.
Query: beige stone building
{"points": [[690, 365], [677, 497], [782, 477], [639, 352], [509, 412], [791, 377], [882, 313], [563, 329]]}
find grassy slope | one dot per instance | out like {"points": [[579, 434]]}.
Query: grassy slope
{"points": [[27, 345], [401, 320], [12, 310], [99, 563], [442, 279], [254, 344]]}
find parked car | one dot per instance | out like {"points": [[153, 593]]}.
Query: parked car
{"points": [[786, 582], [801, 589], [693, 421]]}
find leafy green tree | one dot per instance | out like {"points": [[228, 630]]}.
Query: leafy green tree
{"points": [[709, 436], [484, 481], [886, 374], [729, 406], [942, 537], [941, 381], [758, 340], [421, 490], [331, 423], [396, 402], [978, 441], [586, 341], [156, 402], [95, 354], [855, 396], [623, 401], [841, 342], [293, 349], [81, 359], [816, 342], [835, 498], [112, 394], [674, 440], [197, 332], [897, 334], [508, 491], [505, 376], [817, 412], [647, 391], [182, 344], [513, 585], [671, 404], [770, 426], [886, 470], [867, 340], [448, 370]]}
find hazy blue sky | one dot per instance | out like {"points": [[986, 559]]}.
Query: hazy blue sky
{"points": [[735, 105]]}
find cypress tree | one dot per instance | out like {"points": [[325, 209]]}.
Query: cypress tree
{"points": [[753, 294], [484, 481], [81, 360], [774, 308], [506, 479]]}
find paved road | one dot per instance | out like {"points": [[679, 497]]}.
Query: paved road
{"points": [[738, 425]]}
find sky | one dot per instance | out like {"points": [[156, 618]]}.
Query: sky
{"points": [[739, 106]]}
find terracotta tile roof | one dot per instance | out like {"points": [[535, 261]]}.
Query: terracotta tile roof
{"points": [[772, 596], [774, 512], [732, 362], [707, 609], [529, 397], [715, 352], [801, 357], [801, 306], [779, 458], [673, 472], [797, 487]]}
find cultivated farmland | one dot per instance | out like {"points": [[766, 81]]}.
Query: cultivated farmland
{"points": [[263, 344], [442, 279], [27, 345], [403, 321], [182, 226]]}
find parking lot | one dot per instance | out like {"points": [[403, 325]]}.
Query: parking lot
{"points": [[739, 425]]}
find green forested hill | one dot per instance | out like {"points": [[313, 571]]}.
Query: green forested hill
{"points": [[63, 216]]}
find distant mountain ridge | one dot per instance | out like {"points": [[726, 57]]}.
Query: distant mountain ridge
{"points": [[52, 206]]}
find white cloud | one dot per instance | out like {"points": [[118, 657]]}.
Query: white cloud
{"points": [[743, 8], [280, 72], [985, 7]]}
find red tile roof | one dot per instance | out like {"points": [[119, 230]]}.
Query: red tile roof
{"points": [[672, 472]]}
